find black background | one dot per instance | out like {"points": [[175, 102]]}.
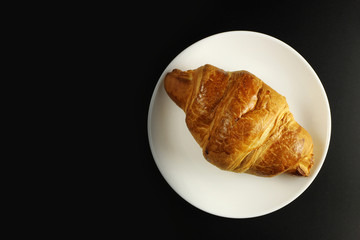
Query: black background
{"points": [[327, 35]]}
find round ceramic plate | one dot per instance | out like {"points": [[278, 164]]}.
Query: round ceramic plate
{"points": [[178, 156]]}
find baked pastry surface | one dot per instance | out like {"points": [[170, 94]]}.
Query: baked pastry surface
{"points": [[241, 124]]}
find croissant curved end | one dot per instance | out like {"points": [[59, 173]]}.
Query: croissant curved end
{"points": [[304, 166], [178, 85]]}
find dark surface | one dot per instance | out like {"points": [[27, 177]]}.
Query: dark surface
{"points": [[327, 35]]}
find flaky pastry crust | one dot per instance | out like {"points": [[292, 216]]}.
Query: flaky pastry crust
{"points": [[241, 124]]}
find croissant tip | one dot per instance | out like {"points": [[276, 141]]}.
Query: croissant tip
{"points": [[304, 170], [301, 170]]}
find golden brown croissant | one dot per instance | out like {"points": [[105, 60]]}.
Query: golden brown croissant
{"points": [[242, 124]]}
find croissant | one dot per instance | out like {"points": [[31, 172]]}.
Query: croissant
{"points": [[241, 124]]}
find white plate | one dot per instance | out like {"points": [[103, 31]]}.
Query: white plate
{"points": [[179, 158]]}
